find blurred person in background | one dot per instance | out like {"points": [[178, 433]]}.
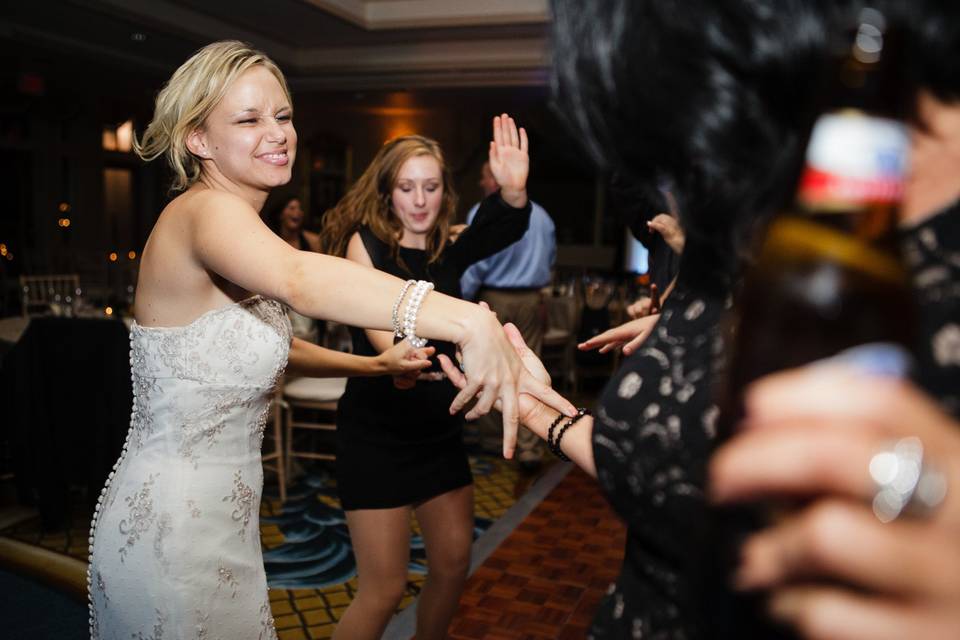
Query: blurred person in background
{"points": [[286, 220]]}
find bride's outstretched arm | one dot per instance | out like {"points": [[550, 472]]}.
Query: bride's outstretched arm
{"points": [[230, 239]]}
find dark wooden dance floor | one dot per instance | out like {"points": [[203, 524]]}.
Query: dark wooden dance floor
{"points": [[545, 581]]}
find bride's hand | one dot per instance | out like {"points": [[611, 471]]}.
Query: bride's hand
{"points": [[495, 372], [528, 406]]}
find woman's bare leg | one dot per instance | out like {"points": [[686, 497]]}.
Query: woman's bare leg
{"points": [[447, 525], [381, 545]]}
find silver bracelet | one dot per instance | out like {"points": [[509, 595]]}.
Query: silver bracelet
{"points": [[397, 328], [413, 309]]}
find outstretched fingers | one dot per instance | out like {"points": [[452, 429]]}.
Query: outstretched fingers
{"points": [[615, 337], [497, 131], [634, 344], [513, 138], [453, 371], [467, 392], [483, 405], [516, 339], [545, 394], [511, 419]]}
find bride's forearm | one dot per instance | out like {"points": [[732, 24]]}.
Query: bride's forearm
{"points": [[332, 288]]}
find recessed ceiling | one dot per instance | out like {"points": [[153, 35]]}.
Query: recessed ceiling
{"points": [[412, 14], [320, 44]]}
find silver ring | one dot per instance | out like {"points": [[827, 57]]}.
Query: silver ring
{"points": [[905, 485]]}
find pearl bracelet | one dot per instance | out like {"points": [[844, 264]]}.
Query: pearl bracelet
{"points": [[397, 328], [413, 309]]}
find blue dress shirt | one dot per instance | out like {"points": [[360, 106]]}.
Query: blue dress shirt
{"points": [[523, 265]]}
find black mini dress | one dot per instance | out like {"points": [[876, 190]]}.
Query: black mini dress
{"points": [[399, 447]]}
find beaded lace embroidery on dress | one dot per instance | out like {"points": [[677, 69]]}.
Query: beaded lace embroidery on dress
{"points": [[175, 538]]}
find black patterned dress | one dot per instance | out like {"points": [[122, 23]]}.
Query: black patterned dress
{"points": [[932, 250], [655, 428]]}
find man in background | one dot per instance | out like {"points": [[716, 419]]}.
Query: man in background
{"points": [[510, 282]]}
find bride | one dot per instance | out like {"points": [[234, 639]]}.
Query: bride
{"points": [[175, 541]]}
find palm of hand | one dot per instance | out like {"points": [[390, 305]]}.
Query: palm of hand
{"points": [[510, 168], [509, 160]]}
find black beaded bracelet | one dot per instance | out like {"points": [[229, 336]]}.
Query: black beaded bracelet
{"points": [[553, 426], [554, 443]]}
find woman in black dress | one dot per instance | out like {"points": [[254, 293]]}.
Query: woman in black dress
{"points": [[399, 450]]}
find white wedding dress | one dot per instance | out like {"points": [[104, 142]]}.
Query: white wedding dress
{"points": [[175, 540]]}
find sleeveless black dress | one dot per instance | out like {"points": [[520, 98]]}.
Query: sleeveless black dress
{"points": [[399, 447]]}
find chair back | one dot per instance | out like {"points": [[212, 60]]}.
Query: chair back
{"points": [[38, 293]]}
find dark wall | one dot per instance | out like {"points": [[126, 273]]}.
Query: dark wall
{"points": [[460, 119], [52, 112]]}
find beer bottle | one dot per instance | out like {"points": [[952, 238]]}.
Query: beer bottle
{"points": [[828, 274]]}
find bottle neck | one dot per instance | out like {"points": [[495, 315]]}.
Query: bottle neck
{"points": [[855, 172], [854, 160]]}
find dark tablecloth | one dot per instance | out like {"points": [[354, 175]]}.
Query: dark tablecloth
{"points": [[66, 396]]}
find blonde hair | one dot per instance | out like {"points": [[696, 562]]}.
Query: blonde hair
{"points": [[369, 200], [188, 98]]}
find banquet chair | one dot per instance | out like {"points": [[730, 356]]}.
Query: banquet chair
{"points": [[558, 351], [37, 293], [295, 398]]}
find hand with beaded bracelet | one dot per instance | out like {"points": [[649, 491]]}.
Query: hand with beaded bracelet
{"points": [[576, 441]]}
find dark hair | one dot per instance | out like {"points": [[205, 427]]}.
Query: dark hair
{"points": [[933, 44], [714, 99], [276, 212]]}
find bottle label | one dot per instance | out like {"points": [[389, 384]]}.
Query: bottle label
{"points": [[854, 159]]}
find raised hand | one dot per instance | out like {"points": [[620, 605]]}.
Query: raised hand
{"points": [[630, 335], [509, 160], [668, 227]]}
